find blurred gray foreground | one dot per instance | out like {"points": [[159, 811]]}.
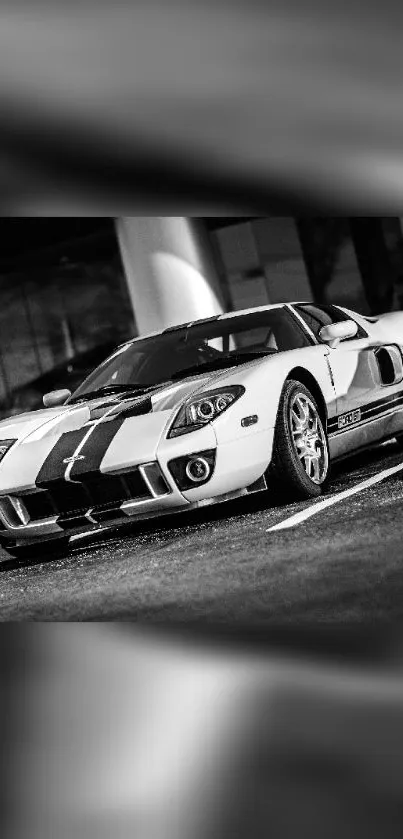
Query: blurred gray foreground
{"points": [[128, 732], [113, 109]]}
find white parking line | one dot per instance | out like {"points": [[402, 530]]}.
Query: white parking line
{"points": [[298, 518]]}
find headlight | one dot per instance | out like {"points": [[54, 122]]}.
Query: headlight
{"points": [[5, 446], [202, 409]]}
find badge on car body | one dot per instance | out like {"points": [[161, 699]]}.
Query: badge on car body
{"points": [[349, 419], [74, 459]]}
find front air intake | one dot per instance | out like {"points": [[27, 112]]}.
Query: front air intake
{"points": [[193, 470]]}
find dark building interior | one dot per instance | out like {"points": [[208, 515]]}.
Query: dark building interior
{"points": [[65, 304], [65, 300]]}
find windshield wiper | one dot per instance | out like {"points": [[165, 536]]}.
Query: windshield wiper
{"points": [[111, 389], [222, 363]]}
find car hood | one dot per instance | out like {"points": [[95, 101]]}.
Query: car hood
{"points": [[53, 422], [101, 435]]}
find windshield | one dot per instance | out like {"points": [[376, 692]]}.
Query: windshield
{"points": [[184, 351]]}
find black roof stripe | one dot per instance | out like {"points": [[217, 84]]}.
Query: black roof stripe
{"points": [[191, 323]]}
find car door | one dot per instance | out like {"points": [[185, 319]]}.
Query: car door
{"points": [[367, 378]]}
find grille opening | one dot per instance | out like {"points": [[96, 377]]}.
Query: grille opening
{"points": [[70, 500], [136, 485], [68, 497], [109, 514], [39, 505], [105, 489], [78, 520]]}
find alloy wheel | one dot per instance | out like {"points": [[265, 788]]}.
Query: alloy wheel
{"points": [[309, 438]]}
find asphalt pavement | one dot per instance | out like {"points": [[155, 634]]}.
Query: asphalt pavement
{"points": [[220, 564]]}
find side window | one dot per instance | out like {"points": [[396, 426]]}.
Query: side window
{"points": [[285, 333], [317, 316]]}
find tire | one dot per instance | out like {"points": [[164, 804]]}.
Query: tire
{"points": [[42, 549], [299, 429]]}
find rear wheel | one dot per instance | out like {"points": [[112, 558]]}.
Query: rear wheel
{"points": [[300, 463]]}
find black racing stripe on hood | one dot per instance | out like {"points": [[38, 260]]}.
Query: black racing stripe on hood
{"points": [[97, 412], [94, 450], [139, 408], [132, 408], [53, 468]]}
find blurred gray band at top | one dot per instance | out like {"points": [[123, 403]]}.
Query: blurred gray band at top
{"points": [[295, 101]]}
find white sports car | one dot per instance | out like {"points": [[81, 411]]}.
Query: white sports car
{"points": [[202, 413]]}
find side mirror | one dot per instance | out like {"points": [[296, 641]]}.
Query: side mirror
{"points": [[56, 398], [336, 332]]}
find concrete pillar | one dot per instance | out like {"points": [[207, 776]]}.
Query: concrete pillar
{"points": [[169, 269]]}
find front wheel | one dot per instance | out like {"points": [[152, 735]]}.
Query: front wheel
{"points": [[301, 453]]}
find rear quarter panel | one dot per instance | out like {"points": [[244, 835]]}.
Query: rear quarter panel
{"points": [[389, 328]]}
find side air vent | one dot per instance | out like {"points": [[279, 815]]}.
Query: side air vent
{"points": [[390, 365]]}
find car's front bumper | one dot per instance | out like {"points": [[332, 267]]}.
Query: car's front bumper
{"points": [[19, 525], [239, 464]]}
